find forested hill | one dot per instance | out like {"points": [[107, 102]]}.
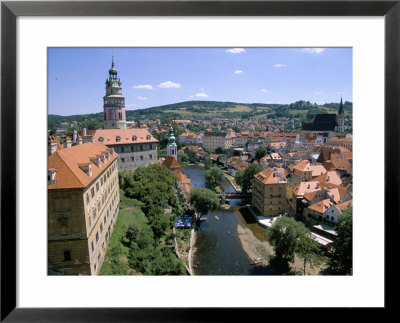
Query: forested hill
{"points": [[212, 109]]}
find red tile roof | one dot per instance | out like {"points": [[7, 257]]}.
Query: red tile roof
{"points": [[67, 161]]}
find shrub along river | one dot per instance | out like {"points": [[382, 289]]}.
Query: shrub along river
{"points": [[218, 250]]}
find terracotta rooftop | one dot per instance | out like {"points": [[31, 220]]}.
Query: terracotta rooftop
{"points": [[67, 161], [271, 176], [171, 163], [126, 136]]}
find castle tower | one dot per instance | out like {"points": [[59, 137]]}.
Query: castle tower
{"points": [[114, 102], [340, 118], [172, 149]]}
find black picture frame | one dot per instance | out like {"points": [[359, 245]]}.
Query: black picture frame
{"points": [[10, 10]]}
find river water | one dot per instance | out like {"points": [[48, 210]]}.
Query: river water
{"points": [[218, 249]]}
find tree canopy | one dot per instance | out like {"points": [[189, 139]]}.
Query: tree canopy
{"points": [[284, 235], [203, 199], [245, 176], [260, 152], [214, 176], [341, 260]]}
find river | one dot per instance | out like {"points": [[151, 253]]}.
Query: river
{"points": [[218, 249]]}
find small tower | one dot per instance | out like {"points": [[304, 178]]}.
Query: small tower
{"points": [[172, 149], [114, 102], [340, 117]]}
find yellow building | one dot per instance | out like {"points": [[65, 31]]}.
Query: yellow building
{"points": [[83, 204], [214, 140], [269, 191]]}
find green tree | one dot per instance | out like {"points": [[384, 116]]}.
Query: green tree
{"points": [[183, 159], [309, 250], [260, 153], [341, 260], [219, 150], [244, 177], [284, 236], [203, 199], [214, 176], [207, 163]]}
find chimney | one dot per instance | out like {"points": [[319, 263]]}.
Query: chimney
{"points": [[84, 132], [52, 148], [80, 140], [67, 143], [74, 136]]}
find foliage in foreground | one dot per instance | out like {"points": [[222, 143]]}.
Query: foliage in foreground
{"points": [[341, 260]]}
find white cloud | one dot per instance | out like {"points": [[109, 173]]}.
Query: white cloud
{"points": [[143, 86], [201, 95], [279, 65], [238, 72], [142, 98], [317, 92], [313, 50], [264, 91], [235, 50], [169, 84]]}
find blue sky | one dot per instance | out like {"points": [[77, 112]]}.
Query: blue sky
{"points": [[157, 76]]}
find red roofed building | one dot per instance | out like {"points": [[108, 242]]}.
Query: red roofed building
{"points": [[83, 204], [269, 191]]}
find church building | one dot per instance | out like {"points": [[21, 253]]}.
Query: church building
{"points": [[324, 126]]}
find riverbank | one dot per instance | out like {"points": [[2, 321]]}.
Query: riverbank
{"points": [[255, 248]]}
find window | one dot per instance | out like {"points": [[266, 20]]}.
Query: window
{"points": [[67, 255], [148, 137], [94, 214], [132, 159], [92, 192], [141, 147], [97, 237], [151, 156], [92, 246], [122, 149], [98, 256], [105, 217], [131, 149], [97, 186], [101, 227], [118, 139], [101, 139], [141, 157], [134, 138], [90, 221], [101, 181], [87, 198], [98, 206], [122, 160]]}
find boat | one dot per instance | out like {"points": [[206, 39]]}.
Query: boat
{"points": [[203, 218], [216, 218], [256, 261]]}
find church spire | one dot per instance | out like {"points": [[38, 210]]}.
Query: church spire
{"points": [[341, 106]]}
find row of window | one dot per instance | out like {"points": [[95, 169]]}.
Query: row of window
{"points": [[103, 201], [107, 236], [133, 158], [99, 183], [135, 148]]}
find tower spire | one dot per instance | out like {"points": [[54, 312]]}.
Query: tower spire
{"points": [[341, 105]]}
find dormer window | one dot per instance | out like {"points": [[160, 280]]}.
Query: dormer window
{"points": [[148, 137], [87, 168], [101, 139], [134, 138], [118, 139], [96, 160], [51, 174]]}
